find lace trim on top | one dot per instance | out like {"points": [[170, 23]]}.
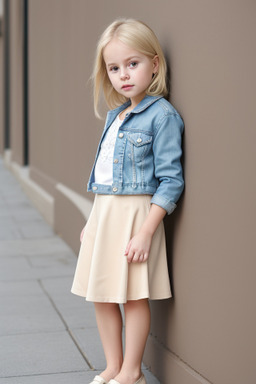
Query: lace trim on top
{"points": [[104, 166]]}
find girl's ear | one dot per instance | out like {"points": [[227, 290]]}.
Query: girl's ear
{"points": [[155, 61]]}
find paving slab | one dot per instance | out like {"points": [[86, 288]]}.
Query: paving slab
{"points": [[151, 379], [13, 268], [10, 233], [91, 346], [75, 310], [25, 215], [6, 222], [28, 314], [53, 259], [20, 288], [4, 210], [32, 247], [16, 199], [61, 286], [39, 353], [19, 268], [35, 229]]}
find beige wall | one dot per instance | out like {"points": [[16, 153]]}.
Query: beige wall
{"points": [[206, 334], [16, 82], [1, 92], [1, 79], [61, 118]]}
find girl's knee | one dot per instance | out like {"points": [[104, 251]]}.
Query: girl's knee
{"points": [[106, 306], [142, 303]]}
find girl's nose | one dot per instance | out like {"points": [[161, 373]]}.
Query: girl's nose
{"points": [[124, 75]]}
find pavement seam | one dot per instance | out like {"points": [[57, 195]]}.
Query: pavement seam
{"points": [[41, 374], [66, 326]]}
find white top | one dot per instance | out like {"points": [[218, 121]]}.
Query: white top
{"points": [[104, 166]]}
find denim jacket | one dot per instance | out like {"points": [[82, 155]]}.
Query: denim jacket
{"points": [[147, 153]]}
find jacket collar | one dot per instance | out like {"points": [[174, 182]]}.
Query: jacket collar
{"points": [[144, 104]]}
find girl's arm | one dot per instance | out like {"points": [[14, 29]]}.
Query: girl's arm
{"points": [[138, 247], [82, 234]]}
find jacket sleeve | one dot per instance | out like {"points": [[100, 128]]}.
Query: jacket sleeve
{"points": [[167, 165]]}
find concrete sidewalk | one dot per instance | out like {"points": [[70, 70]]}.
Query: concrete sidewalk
{"points": [[47, 335]]}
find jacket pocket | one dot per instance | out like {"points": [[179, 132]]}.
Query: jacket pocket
{"points": [[139, 145]]}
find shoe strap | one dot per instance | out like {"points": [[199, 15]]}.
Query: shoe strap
{"points": [[99, 379], [141, 380]]}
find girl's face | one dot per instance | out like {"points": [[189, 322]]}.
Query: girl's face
{"points": [[129, 71]]}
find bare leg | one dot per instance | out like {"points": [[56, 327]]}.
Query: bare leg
{"points": [[137, 325], [109, 321]]}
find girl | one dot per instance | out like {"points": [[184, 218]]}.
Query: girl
{"points": [[137, 178]]}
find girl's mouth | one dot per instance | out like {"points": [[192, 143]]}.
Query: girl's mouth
{"points": [[127, 87]]}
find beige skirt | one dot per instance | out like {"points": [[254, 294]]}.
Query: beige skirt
{"points": [[103, 273]]}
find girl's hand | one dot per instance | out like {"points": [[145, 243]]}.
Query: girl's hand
{"points": [[138, 247], [82, 235]]}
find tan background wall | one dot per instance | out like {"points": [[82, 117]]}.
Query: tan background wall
{"points": [[1, 98], [62, 122], [206, 334], [1, 80], [16, 83]]}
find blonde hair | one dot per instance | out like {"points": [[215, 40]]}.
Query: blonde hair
{"points": [[139, 36]]}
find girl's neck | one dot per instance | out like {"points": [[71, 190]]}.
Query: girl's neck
{"points": [[125, 112], [133, 104]]}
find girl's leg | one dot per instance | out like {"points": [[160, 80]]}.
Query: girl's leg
{"points": [[137, 325], [109, 321]]}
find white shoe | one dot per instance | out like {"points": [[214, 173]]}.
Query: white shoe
{"points": [[141, 380], [98, 380]]}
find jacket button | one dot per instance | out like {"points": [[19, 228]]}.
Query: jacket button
{"points": [[116, 161], [115, 189], [121, 135], [94, 188], [139, 140]]}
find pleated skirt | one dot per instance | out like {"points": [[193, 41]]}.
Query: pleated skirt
{"points": [[102, 272]]}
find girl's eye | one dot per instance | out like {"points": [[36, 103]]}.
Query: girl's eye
{"points": [[114, 69], [133, 64]]}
